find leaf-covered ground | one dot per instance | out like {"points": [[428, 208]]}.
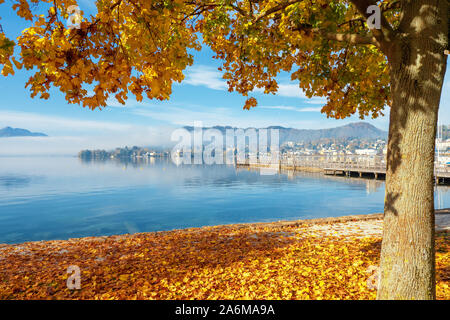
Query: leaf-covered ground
{"points": [[266, 261]]}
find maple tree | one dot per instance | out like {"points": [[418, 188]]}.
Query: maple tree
{"points": [[141, 47]]}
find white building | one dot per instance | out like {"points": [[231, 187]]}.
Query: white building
{"points": [[442, 145], [366, 152]]}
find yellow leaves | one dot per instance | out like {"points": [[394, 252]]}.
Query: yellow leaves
{"points": [[155, 87], [207, 263], [250, 103], [45, 95], [16, 63], [140, 255], [63, 44], [103, 17], [358, 263], [6, 56], [124, 277], [112, 49], [23, 9], [7, 69], [119, 44]]}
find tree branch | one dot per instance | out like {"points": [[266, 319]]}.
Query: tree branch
{"points": [[351, 38], [386, 35], [279, 7], [389, 6], [238, 9]]}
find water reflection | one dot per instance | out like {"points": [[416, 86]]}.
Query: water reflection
{"points": [[222, 175], [10, 182], [59, 198]]}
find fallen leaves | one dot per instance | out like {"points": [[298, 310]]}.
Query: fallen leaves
{"points": [[225, 262]]}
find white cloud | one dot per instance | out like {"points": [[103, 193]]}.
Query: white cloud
{"points": [[72, 135], [205, 76], [36, 122], [183, 116], [211, 78], [112, 102], [129, 103], [290, 91], [311, 109], [294, 91], [290, 108], [225, 117], [316, 100], [68, 145]]}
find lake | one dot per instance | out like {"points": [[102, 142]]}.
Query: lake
{"points": [[46, 198]]}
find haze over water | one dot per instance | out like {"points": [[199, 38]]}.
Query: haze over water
{"points": [[46, 198]]}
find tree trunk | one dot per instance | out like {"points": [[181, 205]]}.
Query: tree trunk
{"points": [[417, 65]]}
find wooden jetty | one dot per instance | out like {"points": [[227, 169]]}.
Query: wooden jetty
{"points": [[373, 167]]}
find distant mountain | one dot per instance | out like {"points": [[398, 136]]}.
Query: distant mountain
{"points": [[358, 130], [17, 132]]}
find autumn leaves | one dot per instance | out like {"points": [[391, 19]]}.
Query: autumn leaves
{"points": [[141, 47], [236, 262]]}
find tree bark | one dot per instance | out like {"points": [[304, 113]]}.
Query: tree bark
{"points": [[417, 66]]}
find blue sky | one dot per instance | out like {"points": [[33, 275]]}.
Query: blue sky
{"points": [[203, 96]]}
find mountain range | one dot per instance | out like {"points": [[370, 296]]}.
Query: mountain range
{"points": [[8, 132], [358, 130]]}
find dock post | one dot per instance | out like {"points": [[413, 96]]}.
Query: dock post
{"points": [[376, 176]]}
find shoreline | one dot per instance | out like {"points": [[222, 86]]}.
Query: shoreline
{"points": [[445, 227], [372, 174], [281, 167], [325, 258]]}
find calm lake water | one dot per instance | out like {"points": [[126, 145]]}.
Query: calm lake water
{"points": [[44, 198]]}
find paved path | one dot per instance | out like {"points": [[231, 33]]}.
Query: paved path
{"points": [[372, 227]]}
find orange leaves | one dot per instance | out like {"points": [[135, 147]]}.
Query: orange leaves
{"points": [[442, 267], [110, 52], [250, 103], [7, 69], [6, 55], [124, 277], [255, 50], [23, 9], [117, 47], [230, 262]]}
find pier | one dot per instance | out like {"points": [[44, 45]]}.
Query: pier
{"points": [[371, 167], [376, 170]]}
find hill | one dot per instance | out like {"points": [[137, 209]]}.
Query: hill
{"points": [[358, 130], [8, 132]]}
